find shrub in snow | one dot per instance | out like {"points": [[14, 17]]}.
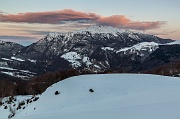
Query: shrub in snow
{"points": [[5, 107], [11, 99], [10, 116], [28, 101], [19, 107], [22, 103], [15, 99], [57, 92], [12, 112], [91, 90], [176, 75], [32, 97], [36, 98]]}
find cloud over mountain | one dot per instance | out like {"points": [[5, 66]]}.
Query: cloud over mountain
{"points": [[68, 15]]}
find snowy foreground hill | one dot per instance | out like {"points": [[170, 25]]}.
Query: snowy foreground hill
{"points": [[115, 96]]}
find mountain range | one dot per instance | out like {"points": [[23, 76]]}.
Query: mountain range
{"points": [[94, 49]]}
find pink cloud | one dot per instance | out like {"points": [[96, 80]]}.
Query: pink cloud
{"points": [[58, 17], [123, 22], [115, 20], [145, 25], [52, 17]]}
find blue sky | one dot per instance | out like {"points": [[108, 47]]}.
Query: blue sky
{"points": [[159, 17]]}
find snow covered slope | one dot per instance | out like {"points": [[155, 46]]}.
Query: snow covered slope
{"points": [[144, 46], [115, 96], [175, 42]]}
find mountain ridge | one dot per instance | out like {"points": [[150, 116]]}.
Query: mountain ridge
{"points": [[96, 49]]}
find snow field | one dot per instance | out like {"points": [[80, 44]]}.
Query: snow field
{"points": [[127, 96]]}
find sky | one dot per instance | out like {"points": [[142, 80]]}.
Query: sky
{"points": [[26, 21]]}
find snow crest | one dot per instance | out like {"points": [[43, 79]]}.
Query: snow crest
{"points": [[140, 47], [101, 29]]}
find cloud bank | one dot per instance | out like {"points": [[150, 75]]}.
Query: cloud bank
{"points": [[68, 15]]}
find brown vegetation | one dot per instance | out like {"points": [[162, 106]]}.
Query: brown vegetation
{"points": [[34, 86], [170, 69], [40, 83]]}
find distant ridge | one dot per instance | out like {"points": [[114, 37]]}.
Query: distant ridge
{"points": [[94, 49]]}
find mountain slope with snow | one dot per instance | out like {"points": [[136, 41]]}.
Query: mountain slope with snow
{"points": [[174, 43], [126, 96], [103, 48], [164, 55], [7, 49]]}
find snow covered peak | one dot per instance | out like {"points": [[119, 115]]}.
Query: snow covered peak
{"points": [[53, 34], [50, 36], [91, 29], [56, 35], [101, 29]]}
